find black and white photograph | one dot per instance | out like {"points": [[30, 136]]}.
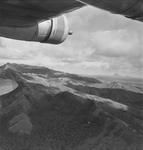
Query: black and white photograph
{"points": [[71, 74]]}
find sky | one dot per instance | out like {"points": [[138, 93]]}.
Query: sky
{"points": [[102, 43]]}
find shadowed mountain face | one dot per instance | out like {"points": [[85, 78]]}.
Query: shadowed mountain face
{"points": [[43, 109]]}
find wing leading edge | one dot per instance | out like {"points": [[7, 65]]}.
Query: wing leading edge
{"points": [[130, 8], [28, 12]]}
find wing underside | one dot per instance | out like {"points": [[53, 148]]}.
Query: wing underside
{"points": [[27, 12], [130, 8]]}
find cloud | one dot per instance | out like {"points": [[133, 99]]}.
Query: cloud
{"points": [[116, 43]]}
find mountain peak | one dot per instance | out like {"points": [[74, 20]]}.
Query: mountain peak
{"points": [[7, 66]]}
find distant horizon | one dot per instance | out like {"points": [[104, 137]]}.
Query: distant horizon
{"points": [[89, 75]]}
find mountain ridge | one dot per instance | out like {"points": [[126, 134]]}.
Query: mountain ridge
{"points": [[50, 108]]}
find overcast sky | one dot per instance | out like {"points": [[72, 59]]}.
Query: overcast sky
{"points": [[102, 43]]}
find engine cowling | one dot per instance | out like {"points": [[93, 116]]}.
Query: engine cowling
{"points": [[53, 31]]}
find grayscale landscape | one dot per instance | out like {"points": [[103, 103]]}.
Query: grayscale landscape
{"points": [[44, 109], [71, 74]]}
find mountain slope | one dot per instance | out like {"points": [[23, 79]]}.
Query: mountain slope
{"points": [[56, 111]]}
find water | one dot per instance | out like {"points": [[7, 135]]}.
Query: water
{"points": [[7, 86]]}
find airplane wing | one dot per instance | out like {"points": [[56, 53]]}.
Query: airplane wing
{"points": [[130, 8], [28, 12], [42, 20]]}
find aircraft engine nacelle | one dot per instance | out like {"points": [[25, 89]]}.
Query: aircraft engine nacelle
{"points": [[53, 31]]}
